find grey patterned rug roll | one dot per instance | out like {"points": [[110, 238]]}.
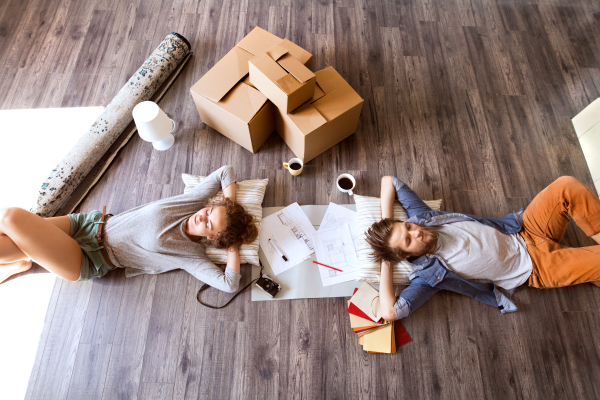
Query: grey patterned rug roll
{"points": [[76, 165]]}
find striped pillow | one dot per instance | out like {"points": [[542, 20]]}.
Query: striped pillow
{"points": [[369, 211], [249, 194]]}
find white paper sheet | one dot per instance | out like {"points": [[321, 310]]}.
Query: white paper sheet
{"points": [[304, 280], [292, 232], [334, 247], [337, 216]]}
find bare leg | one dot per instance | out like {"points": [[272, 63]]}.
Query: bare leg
{"points": [[46, 241], [13, 261], [8, 270]]}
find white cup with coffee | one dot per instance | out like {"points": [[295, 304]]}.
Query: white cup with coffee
{"points": [[345, 183], [295, 166]]}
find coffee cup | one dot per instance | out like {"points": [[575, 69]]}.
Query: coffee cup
{"points": [[295, 166], [345, 183]]}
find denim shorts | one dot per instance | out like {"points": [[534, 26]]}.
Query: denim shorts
{"points": [[84, 228]]}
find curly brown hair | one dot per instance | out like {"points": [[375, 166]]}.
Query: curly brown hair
{"points": [[240, 226]]}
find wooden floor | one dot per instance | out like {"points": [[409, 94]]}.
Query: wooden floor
{"points": [[466, 100]]}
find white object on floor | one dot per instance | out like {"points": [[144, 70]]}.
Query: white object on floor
{"points": [[43, 140], [587, 118], [587, 128], [291, 231], [337, 216], [334, 247], [25, 302], [304, 280], [154, 125]]}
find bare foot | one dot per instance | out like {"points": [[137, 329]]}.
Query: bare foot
{"points": [[597, 283], [8, 270], [596, 237]]}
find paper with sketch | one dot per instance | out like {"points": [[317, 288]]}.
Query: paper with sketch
{"points": [[337, 216], [334, 247], [292, 232]]}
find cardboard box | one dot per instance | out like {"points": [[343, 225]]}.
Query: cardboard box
{"points": [[325, 120], [283, 79], [235, 109]]}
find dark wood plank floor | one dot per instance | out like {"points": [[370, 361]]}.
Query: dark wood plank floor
{"points": [[466, 100]]}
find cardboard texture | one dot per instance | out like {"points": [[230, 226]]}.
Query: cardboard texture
{"points": [[330, 116], [234, 108], [282, 78]]}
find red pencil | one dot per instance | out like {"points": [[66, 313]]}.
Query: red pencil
{"points": [[328, 266]]}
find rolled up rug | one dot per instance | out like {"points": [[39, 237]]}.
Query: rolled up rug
{"points": [[81, 159]]}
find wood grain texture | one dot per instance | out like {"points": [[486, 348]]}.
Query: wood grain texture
{"points": [[465, 100]]}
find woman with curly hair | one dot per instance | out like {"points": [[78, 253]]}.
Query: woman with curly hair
{"points": [[153, 238]]}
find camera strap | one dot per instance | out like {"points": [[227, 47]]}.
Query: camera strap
{"points": [[206, 286]]}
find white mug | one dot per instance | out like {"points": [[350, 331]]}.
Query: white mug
{"points": [[295, 162], [346, 189]]}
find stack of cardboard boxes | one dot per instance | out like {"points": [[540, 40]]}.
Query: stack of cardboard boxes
{"points": [[265, 83]]}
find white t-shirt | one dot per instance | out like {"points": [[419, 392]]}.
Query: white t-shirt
{"points": [[476, 251]]}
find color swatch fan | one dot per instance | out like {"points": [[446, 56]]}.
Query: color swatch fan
{"points": [[374, 334]]}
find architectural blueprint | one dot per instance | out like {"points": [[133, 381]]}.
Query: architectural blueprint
{"points": [[334, 247], [337, 216], [292, 232]]}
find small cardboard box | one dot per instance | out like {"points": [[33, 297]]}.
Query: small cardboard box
{"points": [[235, 109], [325, 120], [283, 79]]}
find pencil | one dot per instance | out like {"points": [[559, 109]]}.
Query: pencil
{"points": [[328, 266]]}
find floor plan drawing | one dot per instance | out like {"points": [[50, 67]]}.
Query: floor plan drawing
{"points": [[334, 247], [296, 230], [337, 216], [291, 231]]}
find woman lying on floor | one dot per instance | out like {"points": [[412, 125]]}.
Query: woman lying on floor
{"points": [[157, 237]]}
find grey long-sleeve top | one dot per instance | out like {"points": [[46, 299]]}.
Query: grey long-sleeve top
{"points": [[151, 239]]}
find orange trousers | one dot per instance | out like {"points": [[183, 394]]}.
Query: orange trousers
{"points": [[545, 221]]}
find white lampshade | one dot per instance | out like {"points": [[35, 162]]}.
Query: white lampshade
{"points": [[154, 125]]}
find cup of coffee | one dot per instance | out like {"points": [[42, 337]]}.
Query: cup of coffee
{"points": [[345, 183], [295, 166]]}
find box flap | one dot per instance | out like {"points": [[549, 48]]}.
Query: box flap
{"points": [[318, 93], [276, 52], [224, 75], [307, 119], [296, 51], [243, 101], [268, 67], [296, 68], [247, 81], [329, 79], [337, 102], [288, 84], [258, 40]]}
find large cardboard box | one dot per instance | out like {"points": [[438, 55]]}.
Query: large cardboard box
{"points": [[283, 79], [233, 108], [325, 120]]}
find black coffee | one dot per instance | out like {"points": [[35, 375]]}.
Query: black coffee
{"points": [[295, 166], [345, 183]]}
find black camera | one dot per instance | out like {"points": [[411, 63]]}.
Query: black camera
{"points": [[268, 285]]}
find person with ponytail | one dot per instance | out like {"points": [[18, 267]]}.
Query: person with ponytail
{"points": [[161, 236]]}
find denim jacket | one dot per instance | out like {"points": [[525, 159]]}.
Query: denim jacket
{"points": [[430, 272]]}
